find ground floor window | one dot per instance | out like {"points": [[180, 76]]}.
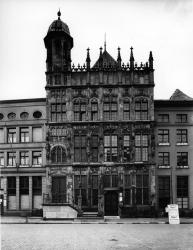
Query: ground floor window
{"points": [[24, 192], [142, 189], [110, 180], [182, 191], [164, 191]]}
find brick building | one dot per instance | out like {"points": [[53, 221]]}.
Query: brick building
{"points": [[97, 148]]}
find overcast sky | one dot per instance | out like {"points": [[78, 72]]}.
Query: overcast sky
{"points": [[165, 27]]}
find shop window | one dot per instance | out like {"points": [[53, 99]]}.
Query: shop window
{"points": [[182, 191], [164, 191], [11, 186], [37, 185], [24, 185]]}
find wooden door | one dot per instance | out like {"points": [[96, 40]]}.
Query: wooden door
{"points": [[59, 189], [111, 203]]}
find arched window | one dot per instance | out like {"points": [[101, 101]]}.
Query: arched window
{"points": [[58, 155], [141, 109]]}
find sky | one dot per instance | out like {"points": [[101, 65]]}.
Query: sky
{"points": [[164, 27]]}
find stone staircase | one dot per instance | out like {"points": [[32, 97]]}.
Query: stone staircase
{"points": [[86, 216]]}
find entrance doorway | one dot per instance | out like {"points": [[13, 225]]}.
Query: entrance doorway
{"points": [[59, 189], [111, 203]]}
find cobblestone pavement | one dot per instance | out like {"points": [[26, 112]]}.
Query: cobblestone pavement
{"points": [[96, 237]]}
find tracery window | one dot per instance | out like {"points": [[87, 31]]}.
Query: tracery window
{"points": [[126, 148], [94, 110], [58, 112], [80, 154], [110, 148], [141, 110], [141, 148], [94, 148], [126, 110], [58, 155], [110, 108], [80, 110]]}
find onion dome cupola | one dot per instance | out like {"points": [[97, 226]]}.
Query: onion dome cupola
{"points": [[58, 43]]}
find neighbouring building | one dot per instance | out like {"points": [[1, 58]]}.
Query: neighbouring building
{"points": [[95, 143]]}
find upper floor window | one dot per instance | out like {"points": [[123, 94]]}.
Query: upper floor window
{"points": [[163, 158], [37, 134], [80, 154], [11, 159], [24, 134], [126, 110], [110, 108], [163, 118], [80, 110], [141, 110], [126, 148], [2, 159], [181, 118], [94, 111], [182, 135], [36, 158], [94, 148], [57, 79], [163, 136], [11, 135], [110, 148], [58, 155], [58, 112], [182, 159], [141, 148], [1, 135], [24, 158]]}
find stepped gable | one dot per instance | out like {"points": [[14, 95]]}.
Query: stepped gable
{"points": [[178, 95]]}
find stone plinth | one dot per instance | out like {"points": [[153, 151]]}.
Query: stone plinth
{"points": [[59, 211]]}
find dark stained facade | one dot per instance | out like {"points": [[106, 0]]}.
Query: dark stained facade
{"points": [[100, 140]]}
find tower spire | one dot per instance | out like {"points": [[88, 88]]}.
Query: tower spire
{"points": [[131, 59], [59, 14], [151, 60], [119, 57], [88, 59], [105, 43]]}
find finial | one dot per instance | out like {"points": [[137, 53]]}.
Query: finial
{"points": [[131, 59], [119, 57], [105, 43], [151, 60], [59, 14], [88, 59]]}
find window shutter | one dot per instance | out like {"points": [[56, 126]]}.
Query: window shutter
{"points": [[37, 134], [1, 135]]}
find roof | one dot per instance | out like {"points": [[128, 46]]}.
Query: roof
{"points": [[58, 25], [107, 60], [178, 95], [23, 100]]}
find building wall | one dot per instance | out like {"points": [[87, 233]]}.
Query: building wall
{"points": [[18, 115], [173, 170]]}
